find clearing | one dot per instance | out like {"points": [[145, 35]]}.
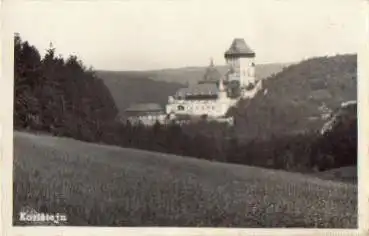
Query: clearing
{"points": [[111, 186]]}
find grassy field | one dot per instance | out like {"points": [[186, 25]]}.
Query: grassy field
{"points": [[110, 186]]}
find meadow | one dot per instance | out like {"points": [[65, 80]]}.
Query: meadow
{"points": [[104, 185]]}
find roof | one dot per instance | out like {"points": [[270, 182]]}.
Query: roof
{"points": [[239, 48], [199, 89], [144, 107], [211, 73]]}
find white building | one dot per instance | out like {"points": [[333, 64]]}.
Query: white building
{"points": [[215, 94], [145, 113]]}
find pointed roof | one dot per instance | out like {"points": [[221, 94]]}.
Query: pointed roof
{"points": [[239, 48], [211, 73]]}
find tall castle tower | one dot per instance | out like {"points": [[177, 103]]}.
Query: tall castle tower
{"points": [[241, 61]]}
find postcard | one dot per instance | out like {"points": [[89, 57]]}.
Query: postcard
{"points": [[184, 117]]}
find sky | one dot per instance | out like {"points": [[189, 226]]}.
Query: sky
{"points": [[155, 34]]}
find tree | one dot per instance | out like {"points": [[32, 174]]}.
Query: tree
{"points": [[67, 98], [26, 78]]}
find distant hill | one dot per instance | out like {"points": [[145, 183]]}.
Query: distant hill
{"points": [[138, 89], [129, 87], [141, 188], [186, 74], [294, 100]]}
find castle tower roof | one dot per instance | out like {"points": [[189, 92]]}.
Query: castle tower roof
{"points": [[239, 48], [211, 74]]}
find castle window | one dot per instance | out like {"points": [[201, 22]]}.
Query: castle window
{"points": [[180, 108]]}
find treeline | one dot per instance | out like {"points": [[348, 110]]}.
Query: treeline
{"points": [[59, 96], [64, 98], [306, 152]]}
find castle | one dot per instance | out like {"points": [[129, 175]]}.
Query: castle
{"points": [[216, 93]]}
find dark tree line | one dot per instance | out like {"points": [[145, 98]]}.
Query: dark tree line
{"points": [[305, 152], [64, 98], [59, 96]]}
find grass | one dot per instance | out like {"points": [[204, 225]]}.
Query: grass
{"points": [[110, 186], [348, 173]]}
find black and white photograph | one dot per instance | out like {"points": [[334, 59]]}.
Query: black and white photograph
{"points": [[187, 114]]}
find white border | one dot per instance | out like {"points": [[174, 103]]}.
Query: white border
{"points": [[6, 148]]}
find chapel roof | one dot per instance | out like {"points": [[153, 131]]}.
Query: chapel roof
{"points": [[239, 48], [211, 74], [199, 89]]}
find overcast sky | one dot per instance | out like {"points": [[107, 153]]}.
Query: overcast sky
{"points": [[153, 34]]}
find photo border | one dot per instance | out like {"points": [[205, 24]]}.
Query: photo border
{"points": [[6, 152]]}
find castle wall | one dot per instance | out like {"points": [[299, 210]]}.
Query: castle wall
{"points": [[253, 92], [214, 108], [147, 120]]}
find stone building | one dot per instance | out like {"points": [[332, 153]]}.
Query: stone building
{"points": [[216, 93]]}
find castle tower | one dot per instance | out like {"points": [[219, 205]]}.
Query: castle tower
{"points": [[222, 94], [241, 61]]}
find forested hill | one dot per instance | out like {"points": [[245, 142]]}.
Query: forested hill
{"points": [[57, 95], [186, 74], [296, 99], [138, 89]]}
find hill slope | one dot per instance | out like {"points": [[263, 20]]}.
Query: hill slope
{"points": [[187, 74], [105, 185], [293, 99], [129, 87], [139, 90]]}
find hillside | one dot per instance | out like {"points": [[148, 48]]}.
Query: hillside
{"points": [[187, 74], [294, 99], [129, 87], [139, 188], [133, 89]]}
